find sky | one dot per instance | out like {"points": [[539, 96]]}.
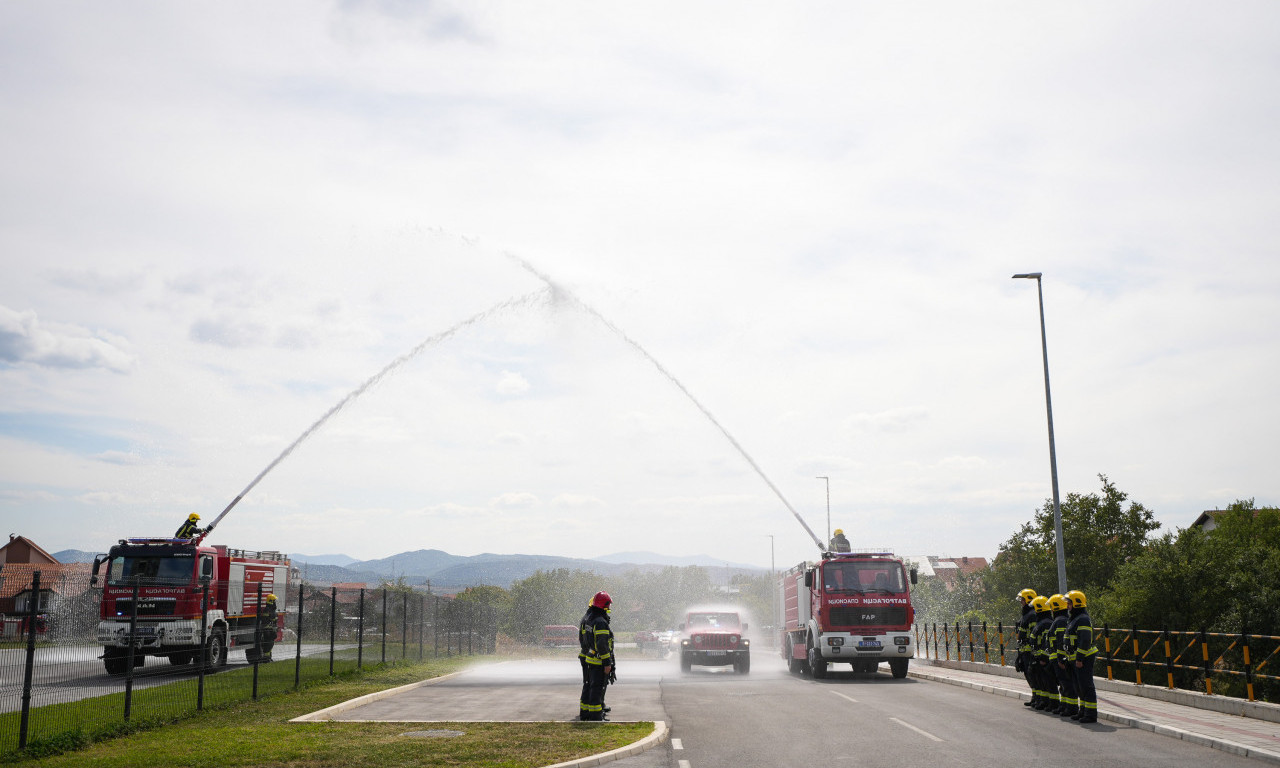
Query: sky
{"points": [[640, 276]]}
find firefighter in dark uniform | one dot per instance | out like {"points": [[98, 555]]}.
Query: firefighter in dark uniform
{"points": [[1058, 657], [1045, 681], [267, 638], [1080, 634], [189, 528], [838, 542], [1022, 632], [595, 640]]}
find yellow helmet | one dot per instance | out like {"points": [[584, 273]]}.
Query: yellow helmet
{"points": [[1058, 603], [839, 531], [271, 598], [193, 517], [1039, 603], [1077, 598], [1027, 595]]}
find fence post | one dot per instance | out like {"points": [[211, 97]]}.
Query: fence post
{"points": [[1000, 629], [297, 654], [1204, 648], [133, 638], [1168, 657], [946, 639], [360, 634], [1248, 666], [404, 625], [422, 623], [333, 623], [435, 626], [1137, 657], [1106, 640], [33, 611], [935, 640], [986, 644], [970, 639], [257, 641], [204, 645], [384, 625]]}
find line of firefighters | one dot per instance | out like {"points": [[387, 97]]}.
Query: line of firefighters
{"points": [[1056, 652]]}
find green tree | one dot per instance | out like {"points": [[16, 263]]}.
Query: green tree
{"points": [[1100, 533]]}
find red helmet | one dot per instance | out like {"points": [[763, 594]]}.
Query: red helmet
{"points": [[601, 600]]}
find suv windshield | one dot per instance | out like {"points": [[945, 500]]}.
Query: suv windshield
{"points": [[863, 577], [713, 621]]}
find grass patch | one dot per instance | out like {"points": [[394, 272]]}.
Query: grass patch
{"points": [[259, 734]]}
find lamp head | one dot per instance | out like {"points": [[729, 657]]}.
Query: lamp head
{"points": [[1028, 275]]}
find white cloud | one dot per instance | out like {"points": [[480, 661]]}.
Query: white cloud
{"points": [[512, 384], [24, 339]]}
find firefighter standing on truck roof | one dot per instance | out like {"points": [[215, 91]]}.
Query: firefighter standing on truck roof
{"points": [[838, 542], [596, 642], [189, 528], [1084, 652], [1022, 662]]}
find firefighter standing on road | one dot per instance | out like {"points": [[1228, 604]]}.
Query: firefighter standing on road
{"points": [[1058, 657], [595, 639], [1046, 683], [1022, 662], [1080, 634], [267, 640]]}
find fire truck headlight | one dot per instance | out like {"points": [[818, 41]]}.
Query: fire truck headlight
{"points": [[901, 641], [835, 641]]}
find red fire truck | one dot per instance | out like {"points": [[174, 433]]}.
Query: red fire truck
{"points": [[849, 608], [169, 577]]}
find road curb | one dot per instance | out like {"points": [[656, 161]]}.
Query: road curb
{"points": [[1219, 744], [658, 736]]}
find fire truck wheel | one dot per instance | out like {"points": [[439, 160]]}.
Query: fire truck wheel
{"points": [[180, 658], [217, 650], [116, 660], [817, 664], [898, 667]]}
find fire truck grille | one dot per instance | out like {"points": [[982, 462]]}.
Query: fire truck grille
{"points": [[146, 607], [868, 616], [713, 643]]}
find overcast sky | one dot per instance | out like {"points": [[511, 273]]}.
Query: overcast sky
{"points": [[218, 220]]}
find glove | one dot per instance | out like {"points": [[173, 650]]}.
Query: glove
{"points": [[613, 675], [1018, 665]]}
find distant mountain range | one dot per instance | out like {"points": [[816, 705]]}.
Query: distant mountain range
{"points": [[447, 572]]}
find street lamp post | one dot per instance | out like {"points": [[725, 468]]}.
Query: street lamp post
{"points": [[773, 584], [1053, 453], [824, 477]]}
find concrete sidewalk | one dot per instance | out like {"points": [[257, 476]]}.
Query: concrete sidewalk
{"points": [[1181, 714]]}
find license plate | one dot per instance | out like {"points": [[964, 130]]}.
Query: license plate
{"points": [[869, 644], [145, 630], [715, 653]]}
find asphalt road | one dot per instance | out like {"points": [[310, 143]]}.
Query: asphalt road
{"points": [[771, 718], [66, 673]]}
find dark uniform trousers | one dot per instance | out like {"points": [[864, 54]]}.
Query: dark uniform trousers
{"points": [[1085, 690]]}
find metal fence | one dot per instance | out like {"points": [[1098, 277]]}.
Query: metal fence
{"points": [[1218, 663], [55, 678]]}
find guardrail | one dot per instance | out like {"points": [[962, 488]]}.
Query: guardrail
{"points": [[1239, 665], [54, 682]]}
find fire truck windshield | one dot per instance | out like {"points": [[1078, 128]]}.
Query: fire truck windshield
{"points": [[713, 621], [151, 569], [863, 577]]}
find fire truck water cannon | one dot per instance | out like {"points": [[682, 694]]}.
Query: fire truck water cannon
{"points": [[848, 608]]}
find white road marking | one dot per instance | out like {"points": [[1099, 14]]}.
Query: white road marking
{"points": [[677, 744], [926, 734], [683, 764], [841, 695]]}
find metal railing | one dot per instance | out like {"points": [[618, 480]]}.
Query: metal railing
{"points": [[1239, 664], [55, 677]]}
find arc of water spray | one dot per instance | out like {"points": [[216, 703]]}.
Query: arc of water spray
{"points": [[559, 291], [377, 377]]}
